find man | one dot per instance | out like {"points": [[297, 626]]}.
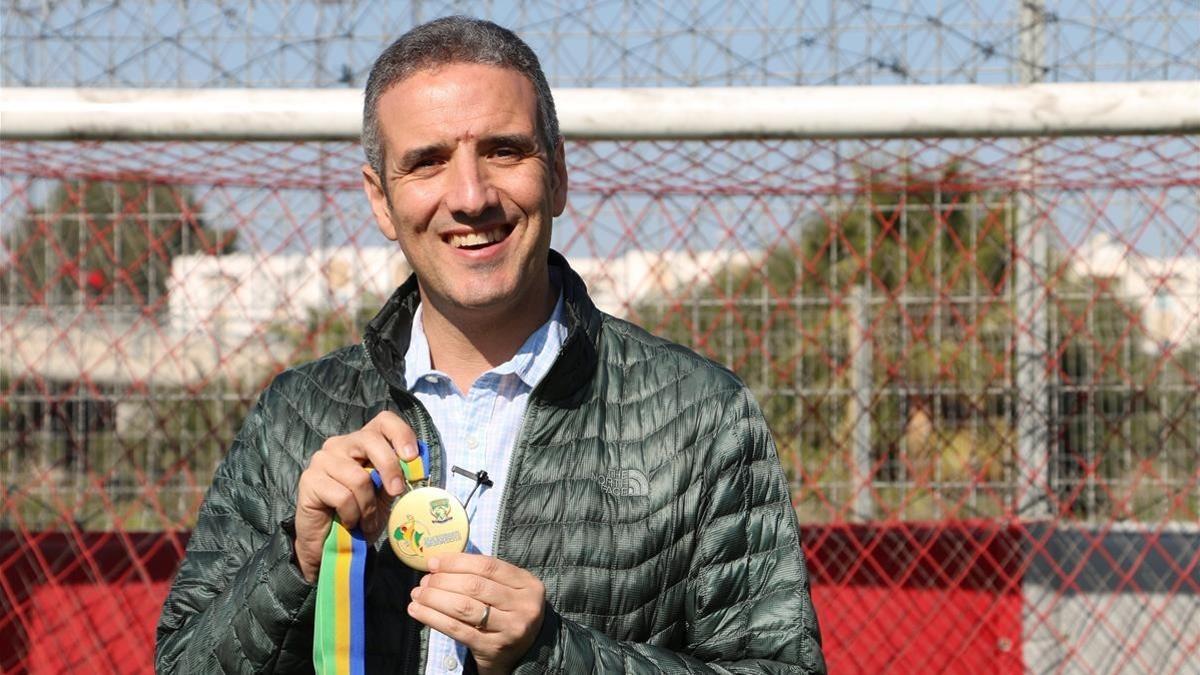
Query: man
{"points": [[638, 518]]}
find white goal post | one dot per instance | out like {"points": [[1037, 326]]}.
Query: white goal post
{"points": [[652, 113]]}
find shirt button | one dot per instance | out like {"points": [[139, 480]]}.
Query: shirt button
{"points": [[431, 379], [449, 662], [472, 443]]}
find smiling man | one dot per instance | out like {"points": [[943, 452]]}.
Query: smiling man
{"points": [[637, 518], [468, 187]]}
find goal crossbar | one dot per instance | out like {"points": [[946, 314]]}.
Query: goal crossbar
{"points": [[652, 113]]}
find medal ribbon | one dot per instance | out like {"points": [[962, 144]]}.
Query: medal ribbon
{"points": [[339, 627]]}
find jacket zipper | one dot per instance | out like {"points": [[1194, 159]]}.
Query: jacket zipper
{"points": [[425, 429], [527, 419], [529, 411]]}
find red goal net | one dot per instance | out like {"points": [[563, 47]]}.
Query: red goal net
{"points": [[980, 359]]}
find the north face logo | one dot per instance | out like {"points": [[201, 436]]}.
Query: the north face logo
{"points": [[624, 483]]}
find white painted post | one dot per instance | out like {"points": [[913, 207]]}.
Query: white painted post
{"points": [[861, 355], [1031, 297]]}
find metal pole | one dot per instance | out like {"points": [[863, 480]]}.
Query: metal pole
{"points": [[1030, 302], [850, 112], [860, 404]]}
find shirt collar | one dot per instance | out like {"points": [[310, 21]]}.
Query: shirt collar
{"points": [[417, 362], [531, 362]]}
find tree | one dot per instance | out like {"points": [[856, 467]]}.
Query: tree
{"points": [[94, 243], [105, 242], [911, 275], [916, 265]]}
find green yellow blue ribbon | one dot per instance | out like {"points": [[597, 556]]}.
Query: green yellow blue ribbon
{"points": [[339, 628]]}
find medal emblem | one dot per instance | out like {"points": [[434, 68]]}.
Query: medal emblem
{"points": [[440, 510], [427, 522]]}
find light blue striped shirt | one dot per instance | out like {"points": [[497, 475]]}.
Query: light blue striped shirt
{"points": [[478, 429]]}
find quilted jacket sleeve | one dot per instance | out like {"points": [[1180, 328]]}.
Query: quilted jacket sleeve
{"points": [[749, 608], [237, 602]]}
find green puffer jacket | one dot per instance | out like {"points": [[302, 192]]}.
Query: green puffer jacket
{"points": [[644, 490]]}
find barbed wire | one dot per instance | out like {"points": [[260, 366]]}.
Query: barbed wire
{"points": [[600, 43]]}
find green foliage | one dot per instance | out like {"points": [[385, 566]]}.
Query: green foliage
{"points": [[326, 330], [1126, 411], [914, 274], [102, 456], [142, 463], [105, 242], [899, 243]]}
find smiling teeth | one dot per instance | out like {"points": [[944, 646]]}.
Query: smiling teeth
{"points": [[477, 238]]}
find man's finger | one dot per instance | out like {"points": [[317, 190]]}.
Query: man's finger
{"points": [[342, 490], [485, 566], [383, 457], [448, 626], [461, 608], [398, 433], [312, 525], [403, 444], [337, 447], [472, 586]]}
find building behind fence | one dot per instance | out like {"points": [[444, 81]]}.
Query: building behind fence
{"points": [[980, 357]]}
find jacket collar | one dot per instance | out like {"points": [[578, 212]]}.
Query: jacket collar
{"points": [[387, 336]]}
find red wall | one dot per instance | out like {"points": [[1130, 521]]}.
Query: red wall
{"points": [[82, 601], [917, 597], [901, 598], [98, 628]]}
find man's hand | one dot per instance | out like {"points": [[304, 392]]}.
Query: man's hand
{"points": [[452, 597], [335, 482]]}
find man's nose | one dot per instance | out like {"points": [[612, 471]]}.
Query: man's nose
{"points": [[470, 191]]}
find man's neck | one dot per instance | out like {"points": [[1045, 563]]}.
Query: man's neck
{"points": [[464, 344]]}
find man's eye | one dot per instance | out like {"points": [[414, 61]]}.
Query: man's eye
{"points": [[424, 164], [505, 152]]}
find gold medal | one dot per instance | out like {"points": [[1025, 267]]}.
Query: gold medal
{"points": [[427, 522]]}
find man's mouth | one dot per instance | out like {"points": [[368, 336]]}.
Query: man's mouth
{"points": [[476, 240]]}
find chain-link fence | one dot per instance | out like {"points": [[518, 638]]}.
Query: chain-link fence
{"points": [[866, 291], [980, 357], [606, 43]]}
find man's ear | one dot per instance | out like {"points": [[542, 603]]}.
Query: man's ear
{"points": [[373, 186], [558, 179]]}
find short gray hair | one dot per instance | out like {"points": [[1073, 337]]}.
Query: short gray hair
{"points": [[453, 39]]}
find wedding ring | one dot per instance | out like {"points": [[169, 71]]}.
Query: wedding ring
{"points": [[487, 610]]}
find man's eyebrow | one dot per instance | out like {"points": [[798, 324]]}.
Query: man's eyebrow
{"points": [[416, 155], [409, 158], [526, 142]]}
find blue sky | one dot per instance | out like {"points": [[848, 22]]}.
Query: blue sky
{"points": [[281, 43], [599, 43]]}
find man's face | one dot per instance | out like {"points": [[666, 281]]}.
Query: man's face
{"points": [[470, 189]]}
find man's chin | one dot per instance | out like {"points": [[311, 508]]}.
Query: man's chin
{"points": [[487, 302]]}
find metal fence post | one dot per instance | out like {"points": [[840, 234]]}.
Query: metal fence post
{"points": [[1030, 302], [860, 403]]}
